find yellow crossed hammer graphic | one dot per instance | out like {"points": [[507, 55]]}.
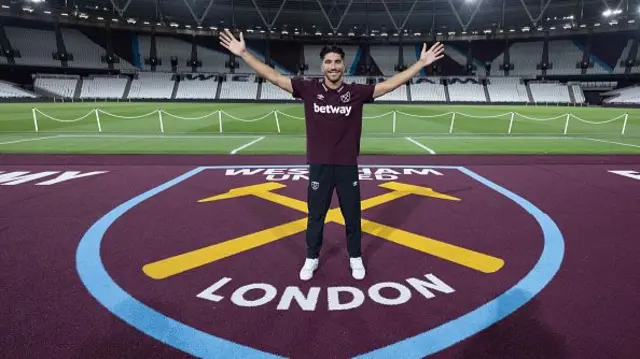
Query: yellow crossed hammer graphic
{"points": [[181, 263]]}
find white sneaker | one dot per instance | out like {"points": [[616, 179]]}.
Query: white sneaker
{"points": [[310, 265], [357, 268]]}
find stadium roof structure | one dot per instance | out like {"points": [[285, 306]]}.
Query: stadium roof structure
{"points": [[373, 19]]}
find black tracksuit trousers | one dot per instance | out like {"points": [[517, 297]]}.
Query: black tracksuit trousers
{"points": [[323, 179]]}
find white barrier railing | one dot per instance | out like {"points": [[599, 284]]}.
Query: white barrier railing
{"points": [[512, 116]]}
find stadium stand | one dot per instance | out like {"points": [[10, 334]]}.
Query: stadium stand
{"points": [[578, 95], [355, 79], [451, 81], [59, 85], [427, 91], [563, 56], [36, 47], [507, 92], [9, 90], [550, 92], [627, 95], [103, 87], [213, 61], [466, 90], [524, 56], [197, 87], [270, 91], [239, 87], [86, 53], [166, 48], [399, 94], [152, 85], [386, 57]]}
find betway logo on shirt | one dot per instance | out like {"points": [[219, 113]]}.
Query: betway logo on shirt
{"points": [[342, 110]]}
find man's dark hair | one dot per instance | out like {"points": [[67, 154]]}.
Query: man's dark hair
{"points": [[331, 48]]}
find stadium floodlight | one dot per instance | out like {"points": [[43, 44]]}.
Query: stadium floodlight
{"points": [[609, 12]]}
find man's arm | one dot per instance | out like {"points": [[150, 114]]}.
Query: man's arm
{"points": [[267, 72], [239, 49], [399, 79]]}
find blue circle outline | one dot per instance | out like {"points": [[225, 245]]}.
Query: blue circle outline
{"points": [[201, 344]]}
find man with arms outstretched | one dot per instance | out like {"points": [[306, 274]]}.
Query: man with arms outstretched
{"points": [[333, 115]]}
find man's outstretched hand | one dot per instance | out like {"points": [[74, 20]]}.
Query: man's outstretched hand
{"points": [[230, 43], [434, 54]]}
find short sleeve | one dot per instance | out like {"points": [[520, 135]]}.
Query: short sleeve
{"points": [[301, 87], [364, 92]]}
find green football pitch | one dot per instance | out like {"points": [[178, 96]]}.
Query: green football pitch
{"points": [[278, 128]]}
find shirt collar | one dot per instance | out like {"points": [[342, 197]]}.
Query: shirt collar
{"points": [[326, 89]]}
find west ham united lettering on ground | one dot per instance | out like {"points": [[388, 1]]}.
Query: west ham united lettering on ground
{"points": [[297, 174], [213, 258], [43, 178]]}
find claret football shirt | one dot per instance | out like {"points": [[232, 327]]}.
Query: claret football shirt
{"points": [[333, 119]]}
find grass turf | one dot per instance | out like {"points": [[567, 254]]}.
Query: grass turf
{"points": [[252, 128]]}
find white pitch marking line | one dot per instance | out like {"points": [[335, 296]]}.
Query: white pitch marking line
{"points": [[246, 145], [152, 137], [29, 139], [421, 145], [613, 142]]}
